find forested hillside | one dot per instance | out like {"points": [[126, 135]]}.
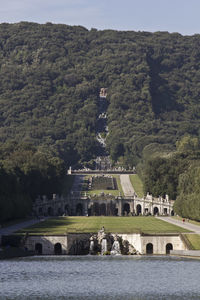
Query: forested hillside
{"points": [[50, 77]]}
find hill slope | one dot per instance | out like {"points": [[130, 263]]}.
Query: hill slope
{"points": [[50, 77]]}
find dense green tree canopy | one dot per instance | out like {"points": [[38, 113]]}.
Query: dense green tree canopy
{"points": [[50, 77]]}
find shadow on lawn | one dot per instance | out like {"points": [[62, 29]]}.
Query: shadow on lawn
{"points": [[49, 225]]}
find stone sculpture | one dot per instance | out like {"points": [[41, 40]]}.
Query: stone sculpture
{"points": [[104, 246], [116, 247], [91, 251]]}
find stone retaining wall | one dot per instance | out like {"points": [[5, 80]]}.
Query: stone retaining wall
{"points": [[194, 253], [75, 243], [159, 242]]}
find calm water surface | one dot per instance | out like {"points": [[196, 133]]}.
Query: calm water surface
{"points": [[95, 278]]}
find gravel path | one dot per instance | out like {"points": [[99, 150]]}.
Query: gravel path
{"points": [[11, 229], [126, 185], [186, 224]]}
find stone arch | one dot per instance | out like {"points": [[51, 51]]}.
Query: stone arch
{"points": [[149, 248], [172, 213], [50, 211], [57, 249], [156, 211], [169, 247], [79, 209], [126, 209], [96, 209], [111, 207], [103, 209], [165, 211], [116, 211], [138, 209], [38, 248]]}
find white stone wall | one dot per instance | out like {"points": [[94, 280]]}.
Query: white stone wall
{"points": [[159, 242], [192, 253], [133, 239], [136, 240], [48, 243]]}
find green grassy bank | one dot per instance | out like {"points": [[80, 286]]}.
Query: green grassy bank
{"points": [[63, 225], [137, 185], [194, 240]]}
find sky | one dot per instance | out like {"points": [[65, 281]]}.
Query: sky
{"points": [[181, 16]]}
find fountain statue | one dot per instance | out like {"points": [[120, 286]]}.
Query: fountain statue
{"points": [[91, 245], [102, 240], [102, 243], [116, 247], [104, 247]]}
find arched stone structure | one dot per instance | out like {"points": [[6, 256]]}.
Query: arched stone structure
{"points": [[116, 211], [111, 209], [58, 249], [38, 248], [102, 209], [165, 211], [149, 248], [77, 204], [126, 209], [95, 209], [169, 247], [155, 211], [138, 209]]}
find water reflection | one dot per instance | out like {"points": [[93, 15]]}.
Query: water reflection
{"points": [[95, 278]]}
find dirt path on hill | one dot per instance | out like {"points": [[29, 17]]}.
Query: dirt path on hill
{"points": [[187, 225], [127, 185]]}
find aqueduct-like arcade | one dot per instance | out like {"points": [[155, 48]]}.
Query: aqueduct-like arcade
{"points": [[77, 205]]}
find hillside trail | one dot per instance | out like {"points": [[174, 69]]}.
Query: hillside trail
{"points": [[101, 126], [186, 225], [127, 185], [103, 159]]}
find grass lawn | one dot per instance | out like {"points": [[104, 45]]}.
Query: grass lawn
{"points": [[137, 185], [62, 225], [194, 240], [119, 184], [112, 192]]}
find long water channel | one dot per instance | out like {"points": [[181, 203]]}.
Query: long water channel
{"points": [[95, 278]]}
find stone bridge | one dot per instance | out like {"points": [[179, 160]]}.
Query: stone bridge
{"points": [[104, 205]]}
